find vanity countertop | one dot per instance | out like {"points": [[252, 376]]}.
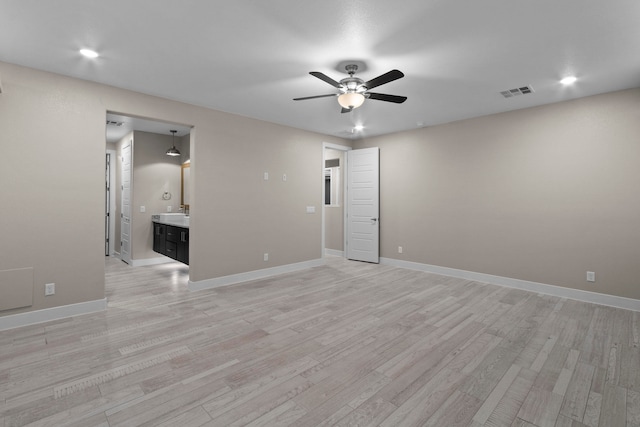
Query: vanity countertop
{"points": [[176, 220]]}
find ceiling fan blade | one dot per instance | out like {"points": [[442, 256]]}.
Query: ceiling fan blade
{"points": [[314, 97], [326, 78], [385, 78], [384, 97]]}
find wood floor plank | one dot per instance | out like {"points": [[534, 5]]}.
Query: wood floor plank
{"points": [[264, 403], [541, 407], [613, 412], [285, 414], [577, 394], [488, 374], [456, 411], [425, 402], [370, 413], [194, 417], [346, 343], [491, 402], [592, 411], [629, 372], [633, 407], [506, 411]]}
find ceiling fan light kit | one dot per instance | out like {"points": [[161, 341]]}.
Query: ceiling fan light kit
{"points": [[355, 90], [350, 100]]}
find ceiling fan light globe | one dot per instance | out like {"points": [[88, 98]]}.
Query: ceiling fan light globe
{"points": [[350, 100]]}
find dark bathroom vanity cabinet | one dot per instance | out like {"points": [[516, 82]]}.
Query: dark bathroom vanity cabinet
{"points": [[172, 241]]}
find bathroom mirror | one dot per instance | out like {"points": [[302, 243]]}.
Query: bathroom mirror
{"points": [[332, 186], [184, 184], [332, 180]]}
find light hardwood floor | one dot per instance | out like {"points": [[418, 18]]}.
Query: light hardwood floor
{"points": [[346, 344]]}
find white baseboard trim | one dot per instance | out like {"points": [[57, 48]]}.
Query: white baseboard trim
{"points": [[49, 314], [333, 252], [252, 275], [542, 288], [151, 261]]}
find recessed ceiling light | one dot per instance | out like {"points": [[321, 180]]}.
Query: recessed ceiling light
{"points": [[358, 127], [89, 53], [569, 80]]}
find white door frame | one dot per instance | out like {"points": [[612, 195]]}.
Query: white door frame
{"points": [[343, 169]]}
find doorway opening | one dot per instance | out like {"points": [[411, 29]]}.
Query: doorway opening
{"points": [[334, 174], [144, 181]]}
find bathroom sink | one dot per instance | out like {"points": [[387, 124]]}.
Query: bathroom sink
{"points": [[172, 218], [168, 215]]}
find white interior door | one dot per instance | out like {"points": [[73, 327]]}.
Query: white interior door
{"points": [[107, 204], [113, 165], [363, 205], [125, 216]]}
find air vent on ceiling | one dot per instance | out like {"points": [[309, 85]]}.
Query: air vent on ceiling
{"points": [[524, 90], [114, 123]]}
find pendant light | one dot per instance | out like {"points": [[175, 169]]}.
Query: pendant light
{"points": [[173, 151]]}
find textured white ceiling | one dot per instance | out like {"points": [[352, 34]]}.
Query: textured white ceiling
{"points": [[252, 57]]}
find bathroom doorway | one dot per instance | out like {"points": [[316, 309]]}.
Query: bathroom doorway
{"points": [[155, 186]]}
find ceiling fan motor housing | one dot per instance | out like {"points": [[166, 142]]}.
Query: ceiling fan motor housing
{"points": [[352, 84]]}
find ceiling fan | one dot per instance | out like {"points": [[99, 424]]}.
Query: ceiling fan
{"points": [[353, 90]]}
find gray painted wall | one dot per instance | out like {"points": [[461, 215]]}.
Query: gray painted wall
{"points": [[541, 194]]}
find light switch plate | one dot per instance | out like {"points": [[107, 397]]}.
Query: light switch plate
{"points": [[49, 289], [311, 209]]}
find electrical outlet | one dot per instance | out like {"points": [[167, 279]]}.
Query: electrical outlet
{"points": [[49, 289], [143, 209], [266, 257], [266, 176], [591, 276], [399, 249]]}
